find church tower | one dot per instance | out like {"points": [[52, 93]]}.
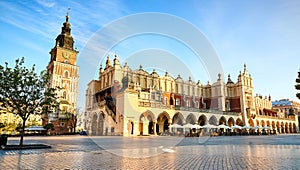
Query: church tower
{"points": [[64, 71]]}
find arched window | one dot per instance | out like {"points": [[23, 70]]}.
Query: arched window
{"points": [[66, 74], [64, 95]]}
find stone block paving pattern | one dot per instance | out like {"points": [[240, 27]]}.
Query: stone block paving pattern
{"points": [[211, 155]]}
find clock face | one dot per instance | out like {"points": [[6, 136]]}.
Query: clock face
{"points": [[66, 55]]}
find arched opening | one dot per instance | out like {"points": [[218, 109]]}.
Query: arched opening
{"points": [[94, 125], [257, 122], [251, 123], [202, 120], [162, 123], [147, 125], [295, 128], [278, 127], [268, 123], [213, 120], [178, 119], [282, 128], [151, 128], [291, 128], [191, 119], [287, 129], [239, 122], [262, 123], [230, 122], [222, 121], [66, 74], [101, 125]]}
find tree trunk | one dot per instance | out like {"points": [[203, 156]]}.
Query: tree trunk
{"points": [[22, 133]]}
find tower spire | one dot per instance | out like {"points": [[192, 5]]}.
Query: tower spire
{"points": [[65, 39], [67, 15]]}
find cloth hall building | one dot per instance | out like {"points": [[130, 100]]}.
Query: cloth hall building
{"points": [[123, 101]]}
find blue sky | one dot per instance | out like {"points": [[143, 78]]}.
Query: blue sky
{"points": [[263, 34]]}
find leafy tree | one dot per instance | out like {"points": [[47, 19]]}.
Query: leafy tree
{"points": [[23, 92], [297, 86], [71, 120], [49, 126]]}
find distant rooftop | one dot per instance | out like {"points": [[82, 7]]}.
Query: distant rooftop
{"points": [[282, 102]]}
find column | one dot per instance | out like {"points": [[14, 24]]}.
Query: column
{"points": [[145, 127], [154, 128]]}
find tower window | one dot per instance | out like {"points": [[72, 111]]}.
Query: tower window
{"points": [[66, 74]]}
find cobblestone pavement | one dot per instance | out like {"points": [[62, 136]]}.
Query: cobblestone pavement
{"points": [[77, 152]]}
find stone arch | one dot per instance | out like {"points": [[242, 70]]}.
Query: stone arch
{"points": [[290, 127], [222, 120], [163, 122], [239, 122], [262, 123], [230, 122], [147, 115], [100, 128], [202, 120], [178, 119], [286, 127], [191, 118], [94, 124], [278, 127], [213, 120], [147, 123], [273, 125], [295, 127], [251, 123], [282, 127], [268, 123]]}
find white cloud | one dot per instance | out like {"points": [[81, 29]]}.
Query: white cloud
{"points": [[46, 3]]}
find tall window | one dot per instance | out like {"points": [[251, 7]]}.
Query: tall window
{"points": [[64, 95], [227, 105], [66, 74]]}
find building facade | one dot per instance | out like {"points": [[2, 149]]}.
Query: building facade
{"points": [[64, 76], [9, 122], [126, 102], [287, 108]]}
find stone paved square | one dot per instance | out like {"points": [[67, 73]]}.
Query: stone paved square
{"points": [[156, 152]]}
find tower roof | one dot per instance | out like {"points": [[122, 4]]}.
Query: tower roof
{"points": [[64, 39]]}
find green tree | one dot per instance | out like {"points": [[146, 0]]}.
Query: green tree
{"points": [[49, 126], [23, 92], [297, 86]]}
